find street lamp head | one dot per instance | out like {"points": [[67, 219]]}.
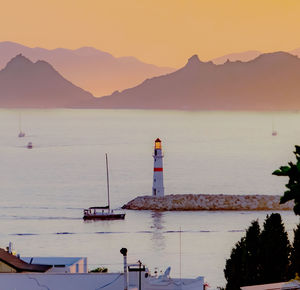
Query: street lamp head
{"points": [[123, 251]]}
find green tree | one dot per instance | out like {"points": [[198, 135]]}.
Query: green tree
{"points": [[274, 250], [295, 253], [293, 172], [252, 263], [235, 267], [260, 256], [242, 268]]}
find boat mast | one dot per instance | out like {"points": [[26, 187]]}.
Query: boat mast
{"points": [[20, 122], [107, 181]]}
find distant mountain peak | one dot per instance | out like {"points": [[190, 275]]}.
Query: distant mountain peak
{"points": [[194, 60], [37, 84], [20, 58], [276, 58], [18, 61], [91, 51]]}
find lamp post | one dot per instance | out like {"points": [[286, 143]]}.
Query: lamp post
{"points": [[123, 251], [140, 275]]}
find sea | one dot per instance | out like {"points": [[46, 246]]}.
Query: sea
{"points": [[44, 190]]}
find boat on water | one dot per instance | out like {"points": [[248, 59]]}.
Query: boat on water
{"points": [[29, 145], [103, 212], [274, 132], [21, 133]]}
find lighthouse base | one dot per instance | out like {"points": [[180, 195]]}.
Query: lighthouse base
{"points": [[158, 192]]}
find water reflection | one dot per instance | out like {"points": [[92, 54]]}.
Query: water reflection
{"points": [[158, 238]]}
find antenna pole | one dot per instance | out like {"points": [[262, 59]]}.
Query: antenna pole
{"points": [[107, 181], [180, 256]]}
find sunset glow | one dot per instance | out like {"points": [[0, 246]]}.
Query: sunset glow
{"points": [[161, 32]]}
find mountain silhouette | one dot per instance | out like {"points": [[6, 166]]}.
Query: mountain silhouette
{"points": [[269, 82], [37, 85], [94, 70], [242, 56]]}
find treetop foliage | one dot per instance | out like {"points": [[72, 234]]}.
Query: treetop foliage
{"points": [[261, 256], [292, 170]]}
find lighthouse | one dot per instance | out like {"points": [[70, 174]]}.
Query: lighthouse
{"points": [[158, 178]]}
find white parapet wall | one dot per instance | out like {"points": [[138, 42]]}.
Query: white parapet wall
{"points": [[95, 281], [208, 202], [38, 281]]}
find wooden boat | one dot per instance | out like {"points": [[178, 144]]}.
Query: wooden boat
{"points": [[103, 212]]}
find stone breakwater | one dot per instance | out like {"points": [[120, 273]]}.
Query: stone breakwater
{"points": [[208, 202]]}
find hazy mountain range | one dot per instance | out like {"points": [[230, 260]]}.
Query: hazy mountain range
{"points": [[242, 56], [246, 56], [100, 72], [93, 70], [38, 85], [269, 82]]}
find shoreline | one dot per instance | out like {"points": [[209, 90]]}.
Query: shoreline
{"points": [[212, 202]]}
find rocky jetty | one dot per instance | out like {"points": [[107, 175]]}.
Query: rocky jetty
{"points": [[208, 202]]}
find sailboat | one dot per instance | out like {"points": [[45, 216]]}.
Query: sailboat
{"points": [[103, 212], [274, 132], [21, 133]]}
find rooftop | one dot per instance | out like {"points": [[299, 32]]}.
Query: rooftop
{"points": [[20, 265]]}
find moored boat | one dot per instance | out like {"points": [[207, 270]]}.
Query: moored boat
{"points": [[103, 212]]}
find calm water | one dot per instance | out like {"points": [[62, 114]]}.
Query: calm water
{"points": [[44, 190]]}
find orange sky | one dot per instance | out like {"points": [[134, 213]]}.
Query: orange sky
{"points": [[163, 32]]}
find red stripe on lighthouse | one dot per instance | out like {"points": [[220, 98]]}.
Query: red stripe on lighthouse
{"points": [[158, 169]]}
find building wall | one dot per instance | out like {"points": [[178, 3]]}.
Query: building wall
{"points": [[4, 268], [79, 267]]}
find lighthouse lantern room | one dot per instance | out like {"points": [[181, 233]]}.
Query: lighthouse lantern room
{"points": [[158, 178]]}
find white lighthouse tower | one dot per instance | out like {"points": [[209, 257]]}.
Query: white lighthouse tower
{"points": [[158, 178]]}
